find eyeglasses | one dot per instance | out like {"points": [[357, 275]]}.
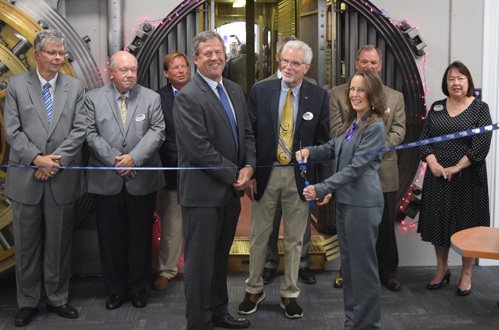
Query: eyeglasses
{"points": [[53, 53], [178, 67], [294, 64], [360, 90]]}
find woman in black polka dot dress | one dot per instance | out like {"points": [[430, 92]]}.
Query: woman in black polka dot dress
{"points": [[455, 194]]}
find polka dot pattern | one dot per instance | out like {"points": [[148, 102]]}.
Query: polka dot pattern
{"points": [[450, 206]]}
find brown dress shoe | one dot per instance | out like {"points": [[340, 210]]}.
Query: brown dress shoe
{"points": [[160, 283], [392, 284]]}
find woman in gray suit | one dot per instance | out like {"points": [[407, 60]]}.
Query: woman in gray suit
{"points": [[357, 192]]}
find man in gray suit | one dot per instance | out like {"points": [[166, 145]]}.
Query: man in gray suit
{"points": [[125, 129], [44, 119], [369, 58], [213, 132]]}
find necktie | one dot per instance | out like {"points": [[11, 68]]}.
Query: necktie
{"points": [[351, 131], [175, 93], [230, 114], [47, 99], [123, 109], [284, 149]]}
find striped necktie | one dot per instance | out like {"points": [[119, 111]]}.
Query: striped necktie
{"points": [[47, 99]]}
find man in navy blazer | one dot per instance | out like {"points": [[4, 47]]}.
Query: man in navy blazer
{"points": [[176, 70], [279, 183], [210, 196]]}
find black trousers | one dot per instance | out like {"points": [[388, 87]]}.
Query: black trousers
{"points": [[386, 244], [124, 227], [208, 236]]}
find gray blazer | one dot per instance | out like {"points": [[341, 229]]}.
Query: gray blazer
{"points": [[141, 138], [356, 180], [395, 130], [204, 139], [29, 134]]}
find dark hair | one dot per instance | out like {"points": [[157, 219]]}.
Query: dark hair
{"points": [[204, 37], [45, 36], [462, 69], [375, 95], [367, 48], [171, 56]]}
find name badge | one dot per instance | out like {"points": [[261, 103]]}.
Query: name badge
{"points": [[140, 117], [308, 116]]}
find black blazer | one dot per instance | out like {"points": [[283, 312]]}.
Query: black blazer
{"points": [[310, 129], [168, 150]]}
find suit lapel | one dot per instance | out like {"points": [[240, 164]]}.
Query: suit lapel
{"points": [[274, 107], [133, 103], [113, 106], [302, 103], [213, 99], [60, 98], [35, 94]]}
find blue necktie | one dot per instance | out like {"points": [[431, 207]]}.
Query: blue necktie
{"points": [[350, 133], [230, 114], [47, 99], [175, 93]]}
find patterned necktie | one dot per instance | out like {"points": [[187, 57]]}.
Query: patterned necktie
{"points": [[351, 131], [230, 114], [47, 99], [284, 149], [123, 109]]}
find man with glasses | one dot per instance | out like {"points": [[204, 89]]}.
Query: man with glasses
{"points": [[125, 129], [284, 113], [44, 119], [369, 58], [272, 258], [176, 70]]}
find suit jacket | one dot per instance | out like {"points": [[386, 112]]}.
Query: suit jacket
{"points": [[29, 134], [143, 134], [204, 139], [356, 181], [168, 150], [238, 72], [395, 130], [263, 111]]}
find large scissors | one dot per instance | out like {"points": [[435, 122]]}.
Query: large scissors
{"points": [[303, 173]]}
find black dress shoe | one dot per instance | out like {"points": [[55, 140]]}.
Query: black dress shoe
{"points": [[65, 310], [306, 276], [139, 299], [392, 284], [24, 316], [229, 322], [268, 275], [114, 301]]}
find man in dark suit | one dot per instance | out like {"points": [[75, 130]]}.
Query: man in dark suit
{"points": [[125, 129], [213, 133], [369, 58], [44, 119], [272, 258], [276, 107], [176, 70]]}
